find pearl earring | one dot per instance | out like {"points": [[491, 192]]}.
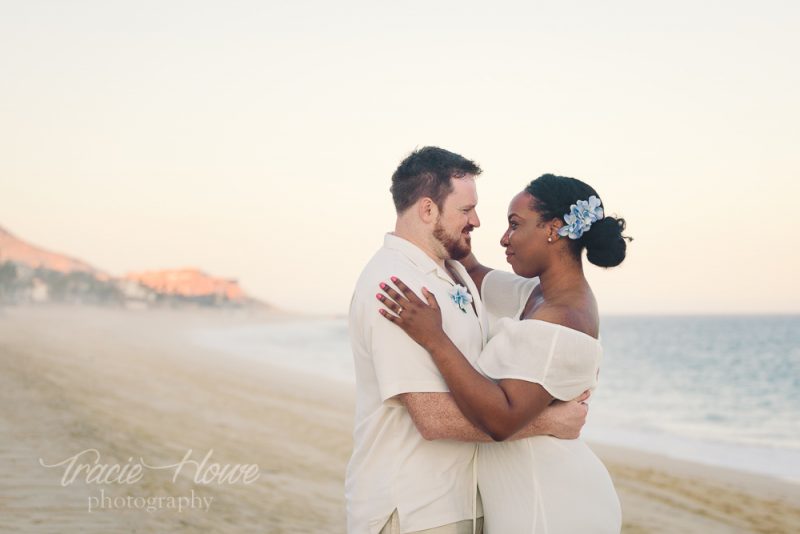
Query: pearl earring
{"points": [[549, 239]]}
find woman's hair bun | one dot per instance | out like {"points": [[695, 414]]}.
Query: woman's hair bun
{"points": [[605, 244], [554, 197]]}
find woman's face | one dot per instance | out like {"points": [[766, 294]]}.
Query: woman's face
{"points": [[525, 240]]}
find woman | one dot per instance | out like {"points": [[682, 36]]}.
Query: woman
{"points": [[543, 347]]}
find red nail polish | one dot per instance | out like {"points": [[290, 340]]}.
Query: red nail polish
{"points": [[378, 296], [394, 279], [383, 286]]}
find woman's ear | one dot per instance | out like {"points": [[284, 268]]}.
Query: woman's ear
{"points": [[555, 224]]}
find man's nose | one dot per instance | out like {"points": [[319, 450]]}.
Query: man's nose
{"points": [[474, 220]]}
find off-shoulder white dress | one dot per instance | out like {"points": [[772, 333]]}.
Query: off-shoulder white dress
{"points": [[540, 485]]}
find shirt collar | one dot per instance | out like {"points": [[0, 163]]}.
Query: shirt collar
{"points": [[424, 262], [427, 265]]}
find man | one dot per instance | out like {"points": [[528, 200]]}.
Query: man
{"points": [[413, 458]]}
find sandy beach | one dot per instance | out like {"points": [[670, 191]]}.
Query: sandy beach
{"points": [[129, 385]]}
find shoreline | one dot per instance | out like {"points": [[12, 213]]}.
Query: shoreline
{"points": [[256, 341], [128, 384]]}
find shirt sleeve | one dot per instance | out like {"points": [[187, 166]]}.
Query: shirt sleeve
{"points": [[401, 365], [562, 361]]}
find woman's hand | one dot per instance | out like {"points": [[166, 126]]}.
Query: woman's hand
{"points": [[421, 321], [499, 409]]}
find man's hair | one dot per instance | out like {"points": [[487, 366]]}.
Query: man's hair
{"points": [[426, 173]]}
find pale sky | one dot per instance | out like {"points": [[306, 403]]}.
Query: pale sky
{"points": [[256, 140]]}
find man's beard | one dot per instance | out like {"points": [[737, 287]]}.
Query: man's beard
{"points": [[454, 247]]}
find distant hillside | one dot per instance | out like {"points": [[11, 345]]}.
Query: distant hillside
{"points": [[18, 251], [32, 274]]}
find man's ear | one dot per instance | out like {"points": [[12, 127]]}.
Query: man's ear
{"points": [[428, 210]]}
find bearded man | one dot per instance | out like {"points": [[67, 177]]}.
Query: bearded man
{"points": [[412, 464]]}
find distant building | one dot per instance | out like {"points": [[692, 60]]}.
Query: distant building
{"points": [[39, 291], [135, 295], [190, 285]]}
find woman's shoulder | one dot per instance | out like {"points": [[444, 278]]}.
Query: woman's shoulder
{"points": [[562, 359], [574, 318], [541, 333]]}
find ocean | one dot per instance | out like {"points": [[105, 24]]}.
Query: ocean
{"points": [[719, 390]]}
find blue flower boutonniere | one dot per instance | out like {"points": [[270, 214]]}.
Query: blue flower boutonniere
{"points": [[461, 297]]}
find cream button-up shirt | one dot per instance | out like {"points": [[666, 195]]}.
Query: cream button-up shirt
{"points": [[430, 483]]}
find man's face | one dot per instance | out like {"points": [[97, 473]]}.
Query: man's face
{"points": [[458, 218]]}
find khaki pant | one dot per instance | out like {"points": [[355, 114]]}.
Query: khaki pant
{"points": [[462, 527]]}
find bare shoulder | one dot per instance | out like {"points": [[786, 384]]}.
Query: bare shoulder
{"points": [[582, 320]]}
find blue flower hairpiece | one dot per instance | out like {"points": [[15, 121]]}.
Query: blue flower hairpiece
{"points": [[580, 217]]}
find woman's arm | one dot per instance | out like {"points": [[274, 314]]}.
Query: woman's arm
{"points": [[500, 409], [475, 269]]}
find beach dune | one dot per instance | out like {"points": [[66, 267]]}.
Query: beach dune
{"points": [[124, 388]]}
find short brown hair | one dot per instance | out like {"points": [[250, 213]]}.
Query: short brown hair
{"points": [[426, 173]]}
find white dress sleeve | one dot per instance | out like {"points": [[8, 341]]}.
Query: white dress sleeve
{"points": [[562, 360], [504, 294]]}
